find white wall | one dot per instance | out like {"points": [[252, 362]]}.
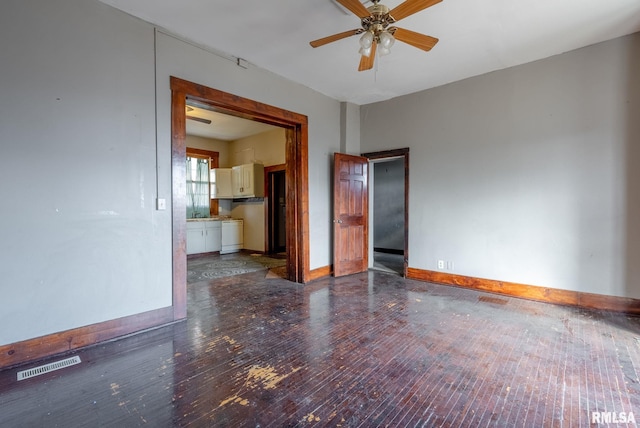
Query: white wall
{"points": [[81, 167], [253, 226], [527, 174], [267, 148], [350, 128]]}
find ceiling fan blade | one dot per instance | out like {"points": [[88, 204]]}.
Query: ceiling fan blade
{"points": [[335, 37], [356, 7], [199, 119], [366, 62], [420, 41], [409, 7]]}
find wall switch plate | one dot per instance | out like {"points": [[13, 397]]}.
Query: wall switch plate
{"points": [[162, 204], [440, 264], [449, 265]]}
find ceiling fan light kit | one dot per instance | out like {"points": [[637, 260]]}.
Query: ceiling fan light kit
{"points": [[377, 34]]}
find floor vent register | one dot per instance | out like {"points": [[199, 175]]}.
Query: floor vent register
{"points": [[37, 371]]}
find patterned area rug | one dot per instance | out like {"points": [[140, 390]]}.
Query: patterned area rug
{"points": [[207, 267], [279, 272]]}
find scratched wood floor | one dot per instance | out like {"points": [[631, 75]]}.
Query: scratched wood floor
{"points": [[367, 350]]}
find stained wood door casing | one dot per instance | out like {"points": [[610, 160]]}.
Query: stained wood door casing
{"points": [[350, 215], [297, 177]]}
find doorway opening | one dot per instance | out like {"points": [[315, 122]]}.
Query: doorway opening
{"points": [[276, 209], [388, 208], [296, 173]]}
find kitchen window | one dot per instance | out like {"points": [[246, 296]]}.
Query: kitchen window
{"points": [[198, 200]]}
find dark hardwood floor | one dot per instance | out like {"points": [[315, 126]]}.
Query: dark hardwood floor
{"points": [[366, 350], [388, 262]]}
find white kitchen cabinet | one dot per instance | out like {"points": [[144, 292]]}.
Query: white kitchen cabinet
{"points": [[221, 187], [232, 236], [204, 236], [248, 181], [195, 238]]}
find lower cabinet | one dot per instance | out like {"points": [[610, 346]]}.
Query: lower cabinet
{"points": [[204, 236]]}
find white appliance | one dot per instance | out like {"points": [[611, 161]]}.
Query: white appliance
{"points": [[232, 236]]}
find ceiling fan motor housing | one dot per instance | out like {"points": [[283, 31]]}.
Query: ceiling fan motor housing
{"points": [[378, 21]]}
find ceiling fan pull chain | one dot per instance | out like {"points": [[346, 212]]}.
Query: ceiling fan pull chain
{"points": [[375, 71]]}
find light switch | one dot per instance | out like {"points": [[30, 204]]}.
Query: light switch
{"points": [[162, 204]]}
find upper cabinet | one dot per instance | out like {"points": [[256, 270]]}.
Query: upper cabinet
{"points": [[242, 181], [221, 187], [248, 181]]}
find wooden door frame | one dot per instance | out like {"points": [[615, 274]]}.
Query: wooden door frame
{"points": [[297, 177], [397, 153], [267, 194]]}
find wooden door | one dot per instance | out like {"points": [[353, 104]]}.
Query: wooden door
{"points": [[350, 214]]}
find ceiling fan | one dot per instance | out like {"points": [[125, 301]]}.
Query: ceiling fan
{"points": [[196, 118], [377, 35]]}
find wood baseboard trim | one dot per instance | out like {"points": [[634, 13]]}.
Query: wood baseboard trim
{"points": [[57, 343], [531, 292], [320, 272]]}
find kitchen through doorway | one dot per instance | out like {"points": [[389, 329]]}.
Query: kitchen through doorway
{"points": [[260, 241], [296, 132]]}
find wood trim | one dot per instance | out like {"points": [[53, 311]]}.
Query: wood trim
{"points": [[274, 168], [531, 292], [406, 213], [214, 156], [404, 152], [393, 153], [214, 162], [235, 105], [179, 202], [69, 340], [297, 211], [302, 202], [297, 174], [321, 272], [291, 179]]}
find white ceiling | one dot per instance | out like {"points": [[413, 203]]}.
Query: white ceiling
{"points": [[476, 37], [223, 126]]}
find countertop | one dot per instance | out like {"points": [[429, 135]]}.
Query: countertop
{"points": [[216, 217]]}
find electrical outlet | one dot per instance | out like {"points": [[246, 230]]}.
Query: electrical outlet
{"points": [[440, 264], [162, 204]]}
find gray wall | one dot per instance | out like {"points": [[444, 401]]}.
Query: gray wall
{"points": [[388, 205], [81, 242], [527, 174], [81, 166]]}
